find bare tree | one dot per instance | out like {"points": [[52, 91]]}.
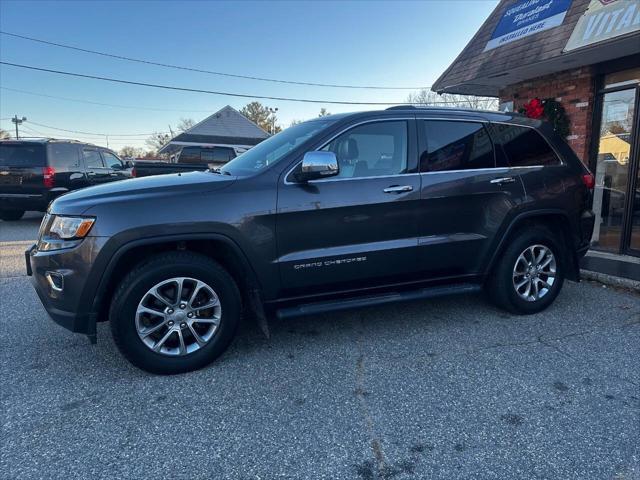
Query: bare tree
{"points": [[185, 124], [132, 152], [158, 140], [323, 112], [426, 97]]}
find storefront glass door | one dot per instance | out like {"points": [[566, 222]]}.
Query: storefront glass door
{"points": [[617, 198]]}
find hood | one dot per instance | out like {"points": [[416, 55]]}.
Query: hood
{"points": [[136, 189]]}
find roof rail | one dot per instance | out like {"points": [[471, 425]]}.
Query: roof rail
{"points": [[403, 107]]}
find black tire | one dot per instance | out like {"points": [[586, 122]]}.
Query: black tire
{"points": [[11, 215], [137, 283], [500, 285]]}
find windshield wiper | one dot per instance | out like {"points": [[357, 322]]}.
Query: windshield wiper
{"points": [[218, 171]]}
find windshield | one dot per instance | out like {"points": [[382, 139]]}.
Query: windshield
{"points": [[273, 149], [22, 155]]}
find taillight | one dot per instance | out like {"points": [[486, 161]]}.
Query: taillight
{"points": [[133, 172], [589, 180], [48, 176]]}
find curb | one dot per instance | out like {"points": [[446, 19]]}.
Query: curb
{"points": [[619, 282]]}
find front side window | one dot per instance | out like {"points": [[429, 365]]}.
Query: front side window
{"points": [[111, 160], [524, 147], [92, 159], [371, 150], [456, 146], [274, 149]]}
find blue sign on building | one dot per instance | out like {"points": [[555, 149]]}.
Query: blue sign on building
{"points": [[527, 17]]}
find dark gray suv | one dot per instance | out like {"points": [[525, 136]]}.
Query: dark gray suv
{"points": [[339, 212]]}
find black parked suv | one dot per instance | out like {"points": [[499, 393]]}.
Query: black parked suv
{"points": [[33, 172], [342, 211]]}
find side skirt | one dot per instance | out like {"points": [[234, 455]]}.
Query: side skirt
{"points": [[379, 299]]}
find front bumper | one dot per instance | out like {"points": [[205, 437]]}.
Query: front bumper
{"points": [[62, 280]]}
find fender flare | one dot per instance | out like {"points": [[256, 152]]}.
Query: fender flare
{"points": [[125, 247], [573, 269]]}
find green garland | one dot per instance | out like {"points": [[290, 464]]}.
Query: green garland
{"points": [[555, 114]]}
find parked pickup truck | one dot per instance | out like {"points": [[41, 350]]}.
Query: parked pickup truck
{"points": [[189, 159], [338, 212]]}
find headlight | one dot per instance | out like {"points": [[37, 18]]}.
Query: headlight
{"points": [[59, 232]]}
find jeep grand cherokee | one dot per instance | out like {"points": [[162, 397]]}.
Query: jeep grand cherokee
{"points": [[338, 212]]}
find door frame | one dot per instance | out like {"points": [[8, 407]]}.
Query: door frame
{"points": [[624, 246]]}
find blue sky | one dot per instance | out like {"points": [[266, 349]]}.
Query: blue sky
{"points": [[374, 43]]}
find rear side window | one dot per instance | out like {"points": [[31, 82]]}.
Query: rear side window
{"points": [[64, 156], [92, 159], [217, 155], [456, 146], [22, 155], [189, 155], [524, 147]]}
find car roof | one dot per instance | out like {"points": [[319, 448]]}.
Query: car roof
{"points": [[43, 140]]}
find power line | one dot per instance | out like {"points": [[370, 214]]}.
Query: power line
{"points": [[213, 92], [99, 103], [196, 90], [199, 70], [97, 134]]}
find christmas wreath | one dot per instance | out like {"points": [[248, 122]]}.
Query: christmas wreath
{"points": [[548, 109]]}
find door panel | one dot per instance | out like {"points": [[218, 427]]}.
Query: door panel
{"points": [[333, 233], [465, 199], [96, 170], [358, 229]]}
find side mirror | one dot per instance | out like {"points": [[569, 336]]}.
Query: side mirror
{"points": [[318, 164]]}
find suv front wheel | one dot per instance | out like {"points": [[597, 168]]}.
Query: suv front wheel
{"points": [[175, 313], [530, 272]]}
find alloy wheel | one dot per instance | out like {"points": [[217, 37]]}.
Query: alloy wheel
{"points": [[178, 316], [534, 273]]}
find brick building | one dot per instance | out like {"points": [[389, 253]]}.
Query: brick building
{"points": [[584, 54]]}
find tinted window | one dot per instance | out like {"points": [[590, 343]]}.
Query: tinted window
{"points": [[92, 159], [371, 150], [64, 156], [217, 155], [524, 147], [456, 146], [112, 161], [22, 155], [189, 155]]}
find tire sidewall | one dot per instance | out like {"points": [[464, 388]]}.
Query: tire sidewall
{"points": [[522, 242], [124, 314]]}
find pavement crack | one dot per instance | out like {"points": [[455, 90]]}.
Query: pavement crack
{"points": [[360, 392]]}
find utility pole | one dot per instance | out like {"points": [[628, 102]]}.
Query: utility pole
{"points": [[273, 111], [18, 121]]}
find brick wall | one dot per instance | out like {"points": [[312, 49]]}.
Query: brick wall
{"points": [[574, 89]]}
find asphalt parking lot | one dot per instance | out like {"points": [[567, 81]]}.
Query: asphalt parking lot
{"points": [[448, 388]]}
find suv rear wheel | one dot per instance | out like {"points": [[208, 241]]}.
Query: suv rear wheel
{"points": [[175, 313], [11, 215], [530, 272]]}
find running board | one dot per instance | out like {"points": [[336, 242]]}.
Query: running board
{"points": [[371, 300]]}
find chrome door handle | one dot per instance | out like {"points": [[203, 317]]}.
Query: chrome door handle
{"points": [[398, 189], [502, 181]]}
